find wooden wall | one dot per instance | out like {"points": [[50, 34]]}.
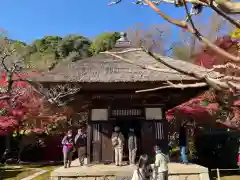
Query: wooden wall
{"points": [[152, 133]]}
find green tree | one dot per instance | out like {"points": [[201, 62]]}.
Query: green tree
{"points": [[50, 50], [73, 43], [104, 41]]}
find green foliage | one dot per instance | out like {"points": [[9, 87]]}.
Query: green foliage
{"points": [[48, 51], [104, 42], [205, 102], [73, 43], [181, 52], [52, 48], [235, 34], [219, 150]]}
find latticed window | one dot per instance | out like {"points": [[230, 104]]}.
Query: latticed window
{"points": [[159, 131], [126, 112], [96, 132]]}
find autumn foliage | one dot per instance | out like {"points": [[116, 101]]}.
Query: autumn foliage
{"points": [[27, 109], [208, 109]]}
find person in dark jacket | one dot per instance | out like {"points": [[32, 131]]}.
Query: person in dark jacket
{"points": [[80, 143], [68, 149], [132, 146]]}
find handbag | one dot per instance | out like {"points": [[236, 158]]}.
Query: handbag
{"points": [[115, 142]]}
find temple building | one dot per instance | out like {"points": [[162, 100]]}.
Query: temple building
{"points": [[108, 97]]}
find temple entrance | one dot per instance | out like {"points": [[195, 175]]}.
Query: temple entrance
{"points": [[125, 125]]}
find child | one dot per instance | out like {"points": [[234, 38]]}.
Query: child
{"points": [[143, 171], [161, 165]]}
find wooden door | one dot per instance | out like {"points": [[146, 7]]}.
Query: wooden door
{"points": [[148, 138], [96, 143], [107, 149], [160, 130]]}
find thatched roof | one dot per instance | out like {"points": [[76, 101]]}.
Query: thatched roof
{"points": [[105, 68]]}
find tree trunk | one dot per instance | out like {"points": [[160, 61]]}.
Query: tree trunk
{"points": [[7, 148]]}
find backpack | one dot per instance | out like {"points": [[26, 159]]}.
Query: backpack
{"points": [[81, 141]]}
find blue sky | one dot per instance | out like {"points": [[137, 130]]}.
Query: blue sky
{"points": [[27, 20]]}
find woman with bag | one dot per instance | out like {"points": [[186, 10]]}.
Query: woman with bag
{"points": [[144, 170], [68, 149], [118, 143]]}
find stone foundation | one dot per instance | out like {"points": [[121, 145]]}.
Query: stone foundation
{"points": [[111, 172], [171, 177]]}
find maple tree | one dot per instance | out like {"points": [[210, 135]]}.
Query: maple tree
{"points": [[225, 85], [222, 82], [227, 111], [208, 108], [24, 105], [28, 109], [23, 100]]}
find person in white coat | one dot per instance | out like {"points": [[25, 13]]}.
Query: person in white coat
{"points": [[161, 164], [118, 143]]}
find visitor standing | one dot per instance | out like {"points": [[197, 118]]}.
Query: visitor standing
{"points": [[68, 149], [132, 146], [80, 143], [161, 164], [118, 143], [183, 144], [239, 154], [143, 171]]}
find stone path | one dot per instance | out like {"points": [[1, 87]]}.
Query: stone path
{"points": [[35, 175]]}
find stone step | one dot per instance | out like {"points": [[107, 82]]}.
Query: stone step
{"points": [[173, 177]]}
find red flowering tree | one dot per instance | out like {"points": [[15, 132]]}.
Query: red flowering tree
{"points": [[23, 106], [228, 102], [214, 108], [224, 82]]}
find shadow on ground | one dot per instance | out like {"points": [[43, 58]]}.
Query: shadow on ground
{"points": [[7, 173], [15, 172]]}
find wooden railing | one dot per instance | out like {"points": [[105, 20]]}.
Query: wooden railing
{"points": [[218, 172]]}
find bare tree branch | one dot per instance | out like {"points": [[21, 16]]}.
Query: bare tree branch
{"points": [[114, 2], [231, 78], [5, 55], [184, 25], [214, 83], [114, 54], [225, 66], [224, 15], [4, 97], [228, 6], [56, 93], [225, 5], [175, 86]]}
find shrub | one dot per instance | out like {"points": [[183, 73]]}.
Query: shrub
{"points": [[218, 150]]}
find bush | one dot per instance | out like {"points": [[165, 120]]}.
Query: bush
{"points": [[218, 150]]}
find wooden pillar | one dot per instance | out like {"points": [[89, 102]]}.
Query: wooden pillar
{"points": [[89, 142]]}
